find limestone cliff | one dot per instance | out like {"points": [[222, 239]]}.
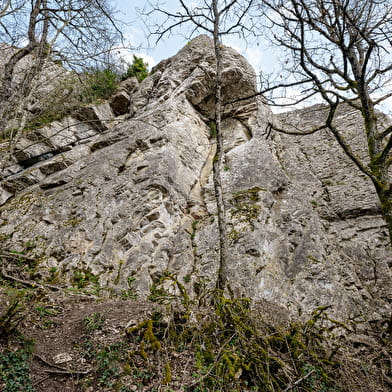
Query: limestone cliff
{"points": [[123, 191]]}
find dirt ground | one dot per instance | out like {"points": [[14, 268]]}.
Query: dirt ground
{"points": [[59, 325], [80, 343], [66, 332]]}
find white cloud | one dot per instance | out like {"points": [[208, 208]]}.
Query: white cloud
{"points": [[125, 57], [256, 57]]}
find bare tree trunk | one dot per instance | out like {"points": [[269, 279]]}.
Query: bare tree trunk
{"points": [[219, 157], [216, 18], [385, 197], [8, 96], [378, 155]]}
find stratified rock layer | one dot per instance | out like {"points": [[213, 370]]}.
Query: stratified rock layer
{"points": [[128, 197]]}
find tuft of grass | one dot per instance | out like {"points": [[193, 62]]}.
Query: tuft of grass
{"points": [[11, 318], [83, 278], [94, 322], [19, 304]]}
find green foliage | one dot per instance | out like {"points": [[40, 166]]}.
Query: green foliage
{"points": [[11, 318], [148, 340], [100, 84], [45, 314], [130, 293], [245, 210], [14, 372], [84, 278], [161, 295], [16, 311], [138, 69], [45, 118], [142, 376], [61, 99], [315, 380], [93, 322], [23, 262], [212, 126], [46, 311], [106, 360]]}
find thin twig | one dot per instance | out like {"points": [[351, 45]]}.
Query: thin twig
{"points": [[299, 381], [211, 368], [68, 372], [41, 380]]}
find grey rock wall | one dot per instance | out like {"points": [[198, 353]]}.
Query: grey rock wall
{"points": [[123, 191], [52, 86]]}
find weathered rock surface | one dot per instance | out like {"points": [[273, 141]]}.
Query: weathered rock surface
{"points": [[128, 196], [53, 89], [121, 100]]}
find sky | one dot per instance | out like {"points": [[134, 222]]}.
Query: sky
{"points": [[257, 51]]}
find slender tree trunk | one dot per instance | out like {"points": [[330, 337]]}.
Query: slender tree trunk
{"points": [[10, 98], [219, 157], [385, 197], [384, 192], [378, 164]]}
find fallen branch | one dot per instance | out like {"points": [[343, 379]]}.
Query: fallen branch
{"points": [[386, 378], [29, 283], [60, 369], [69, 372], [50, 364], [11, 255], [41, 380], [299, 381]]}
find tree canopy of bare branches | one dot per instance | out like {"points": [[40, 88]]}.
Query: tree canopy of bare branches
{"points": [[73, 32], [341, 51]]}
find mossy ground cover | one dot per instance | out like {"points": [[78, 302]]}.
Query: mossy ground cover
{"points": [[229, 349], [175, 344]]}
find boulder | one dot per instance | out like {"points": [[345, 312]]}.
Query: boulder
{"points": [[120, 103]]}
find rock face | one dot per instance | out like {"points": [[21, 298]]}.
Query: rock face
{"points": [[127, 197], [52, 88]]}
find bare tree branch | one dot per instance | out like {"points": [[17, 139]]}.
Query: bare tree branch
{"points": [[343, 49]]}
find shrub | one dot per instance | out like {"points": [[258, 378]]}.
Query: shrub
{"points": [[234, 349], [138, 68], [100, 84]]}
